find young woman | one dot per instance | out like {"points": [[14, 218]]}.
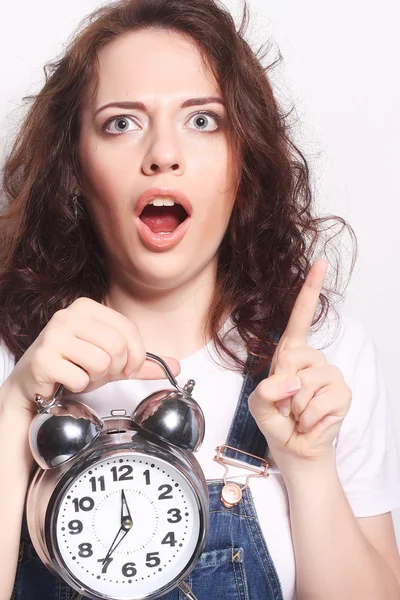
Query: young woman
{"points": [[155, 203]]}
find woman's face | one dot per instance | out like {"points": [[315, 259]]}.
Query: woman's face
{"points": [[125, 151]]}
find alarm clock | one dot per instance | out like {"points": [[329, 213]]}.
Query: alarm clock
{"points": [[118, 507]]}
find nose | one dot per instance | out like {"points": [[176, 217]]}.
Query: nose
{"points": [[164, 153]]}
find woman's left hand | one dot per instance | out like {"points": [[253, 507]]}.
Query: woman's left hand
{"points": [[304, 382]]}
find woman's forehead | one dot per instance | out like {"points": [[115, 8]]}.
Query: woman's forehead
{"points": [[153, 64]]}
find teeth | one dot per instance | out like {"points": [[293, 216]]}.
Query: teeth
{"points": [[162, 202]]}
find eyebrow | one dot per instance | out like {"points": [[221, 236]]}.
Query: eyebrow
{"points": [[142, 106]]}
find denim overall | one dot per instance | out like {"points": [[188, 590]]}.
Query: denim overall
{"points": [[235, 564]]}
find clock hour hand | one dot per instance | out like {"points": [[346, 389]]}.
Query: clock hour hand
{"points": [[126, 519]]}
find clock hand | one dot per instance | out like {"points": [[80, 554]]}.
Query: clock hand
{"points": [[125, 513], [117, 540], [126, 525]]}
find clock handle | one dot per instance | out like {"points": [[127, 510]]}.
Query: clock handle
{"points": [[188, 388]]}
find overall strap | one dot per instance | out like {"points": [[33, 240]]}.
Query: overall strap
{"points": [[244, 433]]}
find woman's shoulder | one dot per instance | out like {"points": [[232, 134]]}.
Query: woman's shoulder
{"points": [[366, 450]]}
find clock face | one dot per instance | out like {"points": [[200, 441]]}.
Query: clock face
{"points": [[127, 526]]}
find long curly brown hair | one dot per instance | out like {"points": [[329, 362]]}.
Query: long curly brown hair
{"points": [[48, 257]]}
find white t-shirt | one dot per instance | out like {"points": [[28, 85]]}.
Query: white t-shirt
{"points": [[367, 456]]}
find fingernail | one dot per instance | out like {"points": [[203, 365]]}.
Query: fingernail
{"points": [[284, 410], [291, 385]]}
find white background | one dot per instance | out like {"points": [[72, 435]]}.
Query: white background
{"points": [[339, 69]]}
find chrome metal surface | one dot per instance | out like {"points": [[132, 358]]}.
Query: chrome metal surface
{"points": [[61, 431], [172, 415], [185, 589]]}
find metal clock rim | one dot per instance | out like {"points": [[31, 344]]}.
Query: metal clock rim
{"points": [[57, 564]]}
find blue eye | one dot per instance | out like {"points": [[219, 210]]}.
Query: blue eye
{"points": [[121, 124], [203, 119]]}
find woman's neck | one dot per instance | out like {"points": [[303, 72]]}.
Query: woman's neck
{"points": [[170, 322]]}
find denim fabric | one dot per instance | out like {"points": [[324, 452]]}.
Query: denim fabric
{"points": [[235, 564]]}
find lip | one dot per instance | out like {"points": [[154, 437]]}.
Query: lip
{"points": [[162, 192], [156, 242]]}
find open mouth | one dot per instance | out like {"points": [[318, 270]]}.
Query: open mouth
{"points": [[163, 219]]}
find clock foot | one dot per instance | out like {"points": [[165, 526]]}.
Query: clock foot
{"points": [[185, 589]]}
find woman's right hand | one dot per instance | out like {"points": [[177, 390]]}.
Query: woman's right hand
{"points": [[82, 347]]}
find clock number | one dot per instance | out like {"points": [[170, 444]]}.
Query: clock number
{"points": [[84, 504], [125, 475], [176, 515], [169, 539], [168, 490], [75, 527], [85, 550], [152, 559], [94, 484], [147, 476], [129, 570], [106, 562]]}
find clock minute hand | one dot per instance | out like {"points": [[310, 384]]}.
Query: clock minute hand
{"points": [[126, 525], [117, 540], [120, 536]]}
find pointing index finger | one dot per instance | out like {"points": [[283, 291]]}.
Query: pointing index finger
{"points": [[304, 308]]}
